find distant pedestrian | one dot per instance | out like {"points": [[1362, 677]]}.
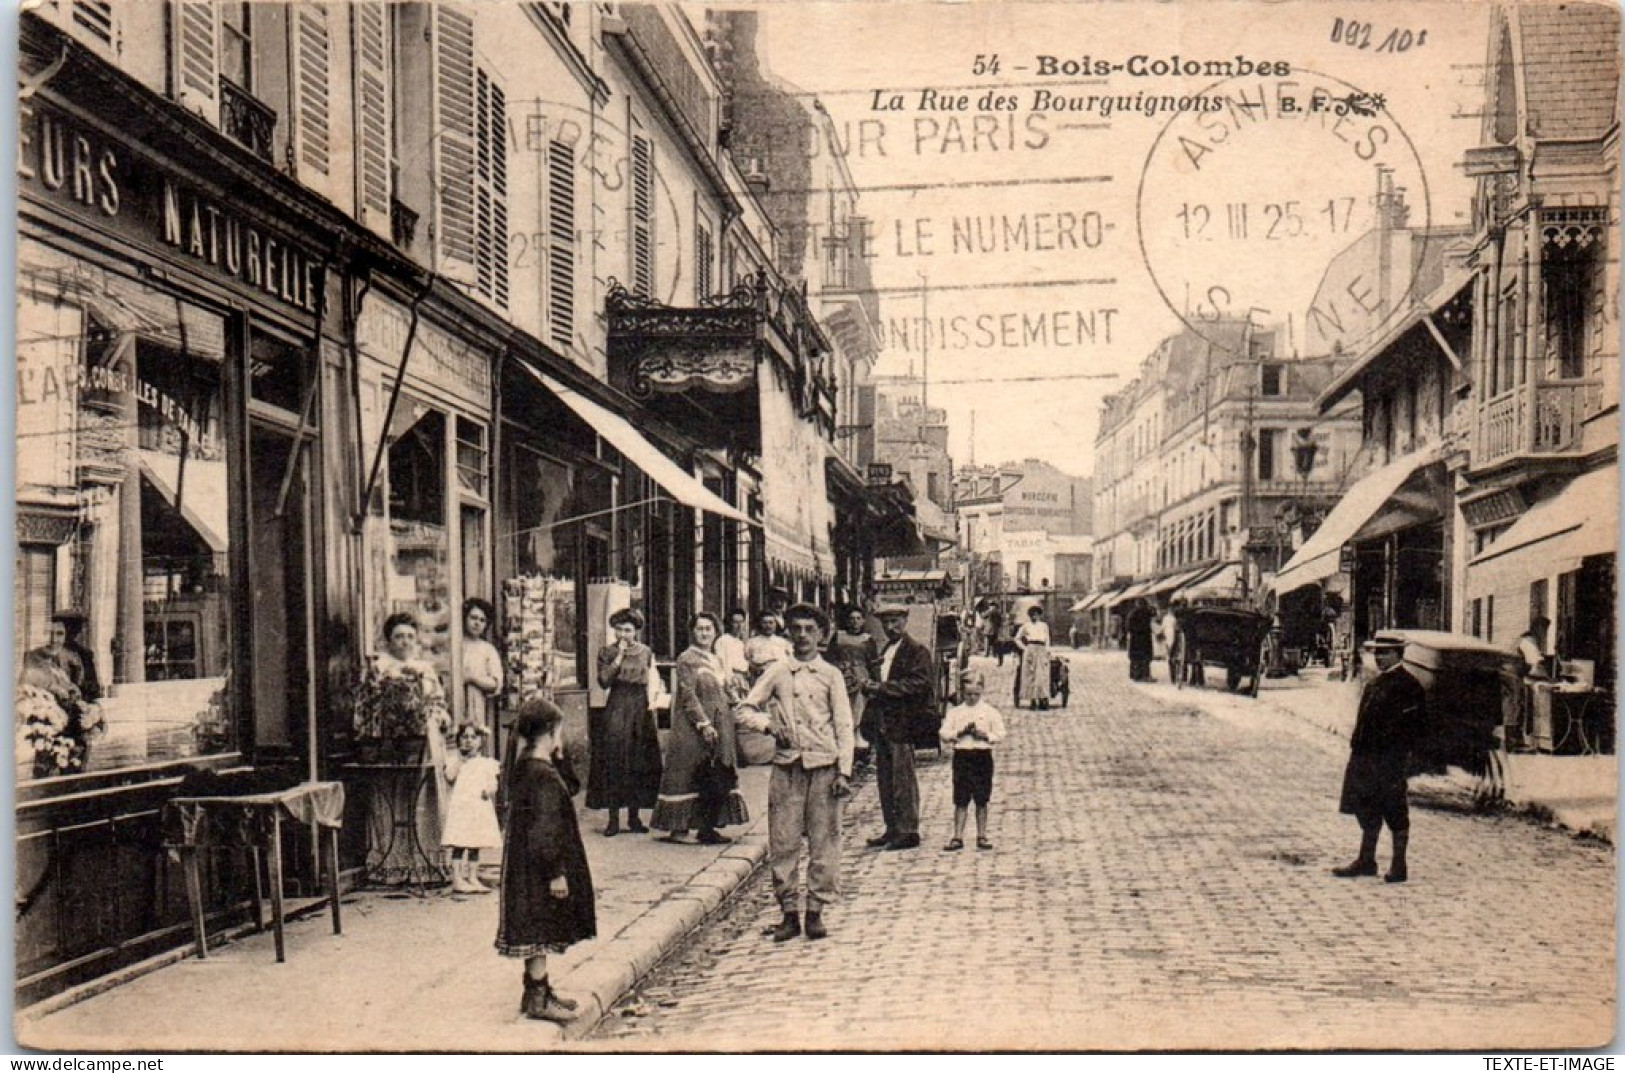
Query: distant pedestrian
{"points": [[902, 701], [973, 727], [730, 650], [854, 652], [1138, 626], [547, 895], [1033, 676], [471, 818], [625, 745], [801, 701], [766, 646], [1388, 727]]}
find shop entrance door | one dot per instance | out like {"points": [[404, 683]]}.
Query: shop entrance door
{"points": [[281, 582]]}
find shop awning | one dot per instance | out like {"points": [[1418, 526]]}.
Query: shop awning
{"points": [[1318, 558], [682, 486], [1579, 521], [1214, 582], [201, 491], [1175, 580], [1139, 588]]}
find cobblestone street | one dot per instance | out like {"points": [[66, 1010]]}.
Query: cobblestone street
{"points": [[1159, 880]]}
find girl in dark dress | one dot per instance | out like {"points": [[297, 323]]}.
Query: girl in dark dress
{"points": [[625, 771], [547, 897]]}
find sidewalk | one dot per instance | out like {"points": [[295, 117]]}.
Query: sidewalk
{"points": [[414, 974], [1577, 793]]}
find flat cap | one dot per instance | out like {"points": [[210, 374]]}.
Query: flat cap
{"points": [[889, 610]]}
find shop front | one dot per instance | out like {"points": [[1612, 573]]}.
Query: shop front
{"points": [[176, 374]]}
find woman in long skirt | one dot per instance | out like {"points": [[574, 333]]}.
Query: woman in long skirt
{"points": [[699, 788], [625, 771], [1034, 641]]}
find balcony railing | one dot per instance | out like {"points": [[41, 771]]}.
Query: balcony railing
{"points": [[245, 119], [1534, 419]]}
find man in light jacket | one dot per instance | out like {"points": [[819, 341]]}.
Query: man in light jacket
{"points": [[802, 702]]}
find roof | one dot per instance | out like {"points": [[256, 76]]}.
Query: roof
{"points": [[1454, 281], [1570, 68]]}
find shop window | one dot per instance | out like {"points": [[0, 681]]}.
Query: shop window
{"points": [[410, 553], [124, 473], [1024, 574], [471, 457]]}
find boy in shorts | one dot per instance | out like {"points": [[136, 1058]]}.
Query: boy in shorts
{"points": [[971, 729]]}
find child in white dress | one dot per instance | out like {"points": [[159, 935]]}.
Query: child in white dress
{"points": [[471, 820]]}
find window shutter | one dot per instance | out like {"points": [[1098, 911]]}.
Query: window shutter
{"points": [[374, 138], [95, 18], [561, 253], [454, 143], [702, 263], [642, 218], [93, 22], [194, 32], [312, 91], [490, 189]]}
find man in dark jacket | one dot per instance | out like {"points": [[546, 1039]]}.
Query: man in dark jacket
{"points": [[1389, 726], [902, 699]]}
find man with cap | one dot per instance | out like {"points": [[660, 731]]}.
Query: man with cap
{"points": [[1389, 726], [902, 699]]}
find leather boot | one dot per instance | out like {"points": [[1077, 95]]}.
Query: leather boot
{"points": [[1396, 868], [1366, 863], [815, 925], [788, 928], [542, 1005]]}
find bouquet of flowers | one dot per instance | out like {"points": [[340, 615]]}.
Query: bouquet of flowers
{"points": [[54, 724], [400, 700]]}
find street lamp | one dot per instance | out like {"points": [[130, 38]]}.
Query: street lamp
{"points": [[1304, 450]]}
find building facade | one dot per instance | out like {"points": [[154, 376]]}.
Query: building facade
{"points": [[1197, 479], [329, 312]]}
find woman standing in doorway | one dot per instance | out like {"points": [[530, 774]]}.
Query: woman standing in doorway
{"points": [[625, 771]]}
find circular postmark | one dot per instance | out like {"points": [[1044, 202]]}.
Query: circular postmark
{"points": [[1294, 201]]}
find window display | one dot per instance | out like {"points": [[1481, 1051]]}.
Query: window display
{"points": [[122, 505]]}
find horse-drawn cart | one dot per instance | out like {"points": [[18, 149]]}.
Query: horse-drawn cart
{"points": [[1231, 637]]}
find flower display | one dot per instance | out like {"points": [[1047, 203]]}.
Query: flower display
{"points": [[55, 725], [400, 700]]}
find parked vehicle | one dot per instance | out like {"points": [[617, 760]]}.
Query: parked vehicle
{"points": [[1469, 684], [1231, 637]]}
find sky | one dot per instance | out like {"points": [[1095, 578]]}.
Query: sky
{"points": [[1049, 239]]}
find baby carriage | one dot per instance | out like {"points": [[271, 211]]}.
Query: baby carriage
{"points": [[1060, 680]]}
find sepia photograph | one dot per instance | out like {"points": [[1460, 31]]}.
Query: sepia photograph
{"points": [[816, 527]]}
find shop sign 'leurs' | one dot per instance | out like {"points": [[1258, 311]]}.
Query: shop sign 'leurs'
{"points": [[112, 187]]}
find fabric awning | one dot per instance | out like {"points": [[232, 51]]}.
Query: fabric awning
{"points": [[199, 494], [1213, 582], [681, 485], [1581, 520], [1139, 588], [1318, 558], [1178, 579]]}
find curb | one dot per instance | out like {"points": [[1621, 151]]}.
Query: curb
{"points": [[613, 970]]}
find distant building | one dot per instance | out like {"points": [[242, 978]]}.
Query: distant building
{"points": [[1196, 480]]}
